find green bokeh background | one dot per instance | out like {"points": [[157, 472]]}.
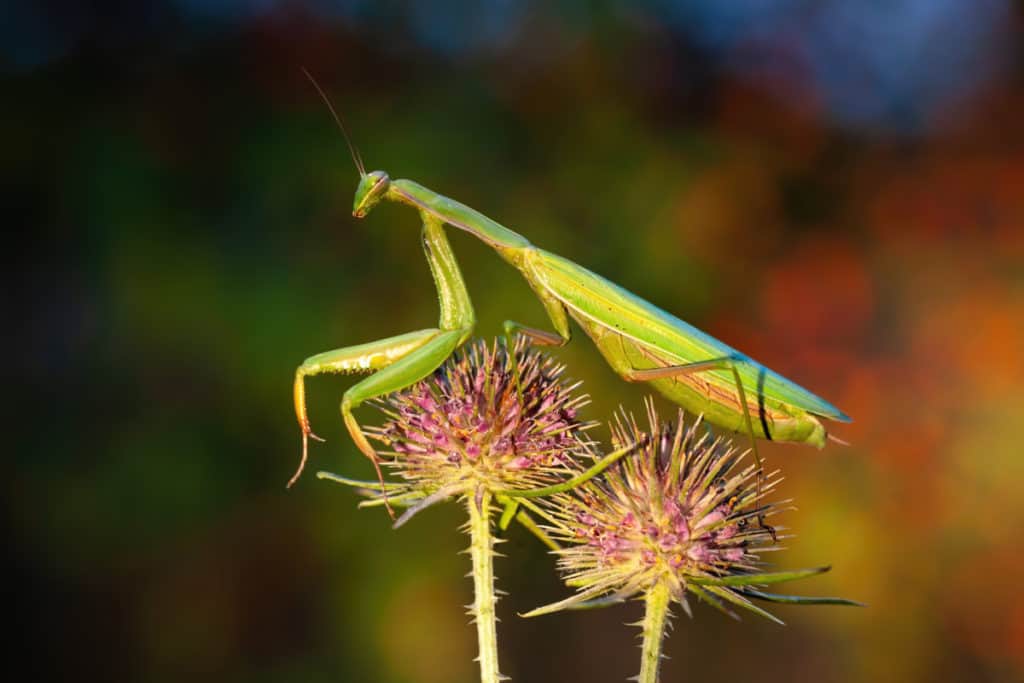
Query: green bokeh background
{"points": [[186, 203]]}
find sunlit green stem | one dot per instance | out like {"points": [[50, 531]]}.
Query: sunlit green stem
{"points": [[655, 619], [481, 549]]}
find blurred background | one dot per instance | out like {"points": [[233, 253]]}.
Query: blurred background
{"points": [[834, 188]]}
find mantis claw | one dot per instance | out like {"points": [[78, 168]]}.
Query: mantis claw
{"points": [[307, 433], [302, 463], [384, 492], [364, 446], [372, 455]]}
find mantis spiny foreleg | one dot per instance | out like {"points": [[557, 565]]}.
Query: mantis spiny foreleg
{"points": [[399, 361], [368, 357]]}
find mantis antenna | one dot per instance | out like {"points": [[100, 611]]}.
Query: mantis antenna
{"points": [[357, 158]]}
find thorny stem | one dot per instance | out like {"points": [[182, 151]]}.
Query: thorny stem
{"points": [[481, 550], [656, 604]]}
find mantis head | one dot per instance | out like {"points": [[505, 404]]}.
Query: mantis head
{"points": [[372, 188]]}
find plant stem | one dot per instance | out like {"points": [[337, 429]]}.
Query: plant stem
{"points": [[481, 549], [656, 604]]}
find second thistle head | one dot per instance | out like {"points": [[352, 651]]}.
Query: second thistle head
{"points": [[681, 511]]}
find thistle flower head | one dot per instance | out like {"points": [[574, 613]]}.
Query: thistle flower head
{"points": [[470, 426], [682, 511]]}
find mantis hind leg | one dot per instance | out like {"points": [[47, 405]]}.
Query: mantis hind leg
{"points": [[724, 363], [753, 443]]}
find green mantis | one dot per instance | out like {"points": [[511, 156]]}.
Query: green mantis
{"points": [[640, 342]]}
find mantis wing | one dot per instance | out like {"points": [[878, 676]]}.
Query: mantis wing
{"points": [[604, 303]]}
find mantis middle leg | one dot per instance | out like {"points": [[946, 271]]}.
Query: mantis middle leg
{"points": [[556, 313], [559, 320]]}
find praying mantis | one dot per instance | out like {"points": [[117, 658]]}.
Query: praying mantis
{"points": [[639, 341]]}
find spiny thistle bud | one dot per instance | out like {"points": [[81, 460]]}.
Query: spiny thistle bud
{"points": [[470, 426], [681, 513]]}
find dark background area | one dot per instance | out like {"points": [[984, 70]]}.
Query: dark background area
{"points": [[835, 188]]}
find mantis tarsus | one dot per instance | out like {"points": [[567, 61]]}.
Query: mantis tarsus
{"points": [[641, 342]]}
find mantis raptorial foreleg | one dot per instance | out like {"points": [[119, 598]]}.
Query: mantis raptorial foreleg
{"points": [[362, 358], [398, 361], [402, 373]]}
